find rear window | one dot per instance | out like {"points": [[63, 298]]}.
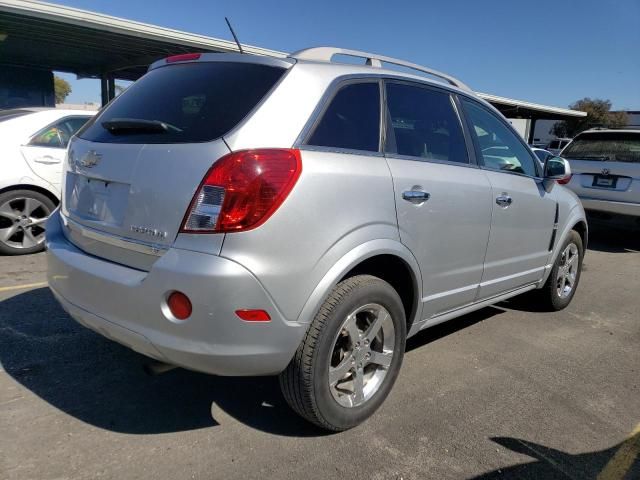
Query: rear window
{"points": [[605, 146], [195, 102]]}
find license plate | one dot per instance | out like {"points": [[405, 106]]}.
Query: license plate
{"points": [[96, 200], [606, 182]]}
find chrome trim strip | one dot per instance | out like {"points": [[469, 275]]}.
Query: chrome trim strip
{"points": [[93, 234]]}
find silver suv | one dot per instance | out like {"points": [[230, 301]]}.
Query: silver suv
{"points": [[606, 174], [243, 215]]}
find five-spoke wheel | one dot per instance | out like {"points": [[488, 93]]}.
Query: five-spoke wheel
{"points": [[23, 214], [350, 356]]}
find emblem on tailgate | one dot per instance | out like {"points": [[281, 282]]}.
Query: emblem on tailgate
{"points": [[90, 159], [605, 171], [150, 232]]}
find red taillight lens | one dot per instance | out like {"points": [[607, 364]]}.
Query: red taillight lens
{"points": [[179, 305], [242, 190], [253, 315], [565, 180], [184, 57]]}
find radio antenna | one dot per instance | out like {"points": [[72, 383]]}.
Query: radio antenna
{"points": [[234, 34]]}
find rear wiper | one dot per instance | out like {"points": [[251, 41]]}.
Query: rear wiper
{"points": [[138, 125], [604, 158]]}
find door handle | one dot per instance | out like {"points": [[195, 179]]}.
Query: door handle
{"points": [[47, 160], [504, 200], [416, 197]]}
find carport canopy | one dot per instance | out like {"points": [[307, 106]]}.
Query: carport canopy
{"points": [[54, 37]]}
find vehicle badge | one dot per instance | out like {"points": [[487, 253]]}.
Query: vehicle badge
{"points": [[605, 171], [90, 159]]}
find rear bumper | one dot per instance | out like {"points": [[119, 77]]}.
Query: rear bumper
{"points": [[126, 305], [610, 206]]}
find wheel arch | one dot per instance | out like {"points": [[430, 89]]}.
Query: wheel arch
{"points": [[34, 188], [576, 221], [385, 258], [583, 230]]}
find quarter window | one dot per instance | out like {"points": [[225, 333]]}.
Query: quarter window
{"points": [[500, 148], [423, 123], [352, 119]]}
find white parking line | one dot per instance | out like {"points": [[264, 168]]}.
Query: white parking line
{"points": [[26, 286]]}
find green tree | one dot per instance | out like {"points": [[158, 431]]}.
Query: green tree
{"points": [[62, 88], [598, 115]]}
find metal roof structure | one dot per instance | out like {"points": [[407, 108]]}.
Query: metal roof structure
{"points": [[54, 37]]}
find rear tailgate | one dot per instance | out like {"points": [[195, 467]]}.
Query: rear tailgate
{"points": [[131, 173], [127, 204], [606, 165], [618, 181]]}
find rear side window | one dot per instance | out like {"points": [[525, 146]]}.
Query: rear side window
{"points": [[424, 124], [614, 147], [58, 134], [352, 119], [184, 103]]}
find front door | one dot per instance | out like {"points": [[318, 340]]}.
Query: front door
{"points": [[523, 212], [443, 201]]}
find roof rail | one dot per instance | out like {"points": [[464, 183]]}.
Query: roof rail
{"points": [[325, 54]]}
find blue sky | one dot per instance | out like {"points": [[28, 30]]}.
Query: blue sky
{"points": [[551, 52]]}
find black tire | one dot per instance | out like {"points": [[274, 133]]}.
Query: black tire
{"points": [[305, 382], [14, 198], [548, 297]]}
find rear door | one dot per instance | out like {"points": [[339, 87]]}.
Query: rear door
{"points": [[46, 150], [605, 165], [133, 171], [523, 212], [443, 200]]}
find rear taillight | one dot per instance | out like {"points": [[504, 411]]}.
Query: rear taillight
{"points": [[242, 190], [564, 180]]}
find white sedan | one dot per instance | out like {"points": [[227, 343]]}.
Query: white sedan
{"points": [[33, 143]]}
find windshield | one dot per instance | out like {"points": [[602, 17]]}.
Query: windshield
{"points": [[605, 146], [184, 103]]}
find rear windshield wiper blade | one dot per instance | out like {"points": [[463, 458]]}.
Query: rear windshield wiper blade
{"points": [[604, 158], [138, 125]]}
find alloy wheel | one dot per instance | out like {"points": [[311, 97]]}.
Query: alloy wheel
{"points": [[22, 222], [567, 270], [362, 354]]}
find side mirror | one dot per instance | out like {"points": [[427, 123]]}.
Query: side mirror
{"points": [[558, 169]]}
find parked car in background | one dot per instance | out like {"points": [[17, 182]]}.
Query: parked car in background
{"points": [[33, 144], [606, 173], [241, 215], [556, 146]]}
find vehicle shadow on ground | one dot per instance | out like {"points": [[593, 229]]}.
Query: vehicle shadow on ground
{"points": [[613, 240], [442, 330], [550, 463], [103, 384]]}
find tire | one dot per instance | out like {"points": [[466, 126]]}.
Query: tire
{"points": [[23, 214], [333, 348], [549, 296]]}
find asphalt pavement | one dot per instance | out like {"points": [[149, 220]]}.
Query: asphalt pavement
{"points": [[506, 392]]}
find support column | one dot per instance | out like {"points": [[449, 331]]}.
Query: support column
{"points": [[112, 87], [532, 130], [104, 89]]}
